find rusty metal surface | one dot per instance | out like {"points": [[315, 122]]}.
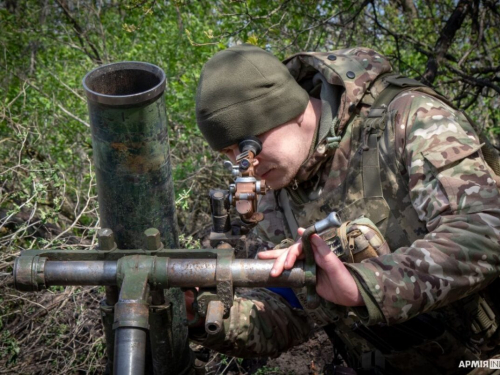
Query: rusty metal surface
{"points": [[131, 317], [29, 273], [214, 317], [182, 272], [224, 278], [252, 273], [238, 242], [205, 296], [161, 273]]}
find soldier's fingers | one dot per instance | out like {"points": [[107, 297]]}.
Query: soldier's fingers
{"points": [[279, 265], [294, 252], [271, 254]]}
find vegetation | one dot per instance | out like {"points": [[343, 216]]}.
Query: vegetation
{"points": [[47, 188]]}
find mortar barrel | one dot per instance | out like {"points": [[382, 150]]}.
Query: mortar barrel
{"points": [[131, 151], [132, 165]]}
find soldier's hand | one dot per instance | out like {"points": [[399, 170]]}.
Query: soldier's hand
{"points": [[190, 313], [334, 281]]}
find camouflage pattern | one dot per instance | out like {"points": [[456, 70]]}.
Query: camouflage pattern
{"points": [[439, 213], [453, 192], [261, 323]]}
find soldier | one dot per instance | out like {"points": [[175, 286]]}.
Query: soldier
{"points": [[410, 290]]}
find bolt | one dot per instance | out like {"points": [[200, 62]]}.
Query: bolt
{"points": [[153, 241], [106, 239]]}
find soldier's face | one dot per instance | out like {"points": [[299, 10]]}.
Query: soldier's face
{"points": [[284, 148]]}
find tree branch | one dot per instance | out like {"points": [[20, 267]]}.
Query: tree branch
{"points": [[479, 82], [445, 39], [81, 35]]}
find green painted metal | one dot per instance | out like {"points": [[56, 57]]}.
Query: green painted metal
{"points": [[131, 152], [132, 164]]}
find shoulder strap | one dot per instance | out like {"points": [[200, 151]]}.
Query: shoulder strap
{"points": [[373, 126], [290, 219], [396, 84]]}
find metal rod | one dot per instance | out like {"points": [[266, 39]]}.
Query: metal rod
{"points": [[256, 273], [181, 273], [80, 273], [107, 316], [160, 318], [130, 351], [313, 300], [214, 319]]}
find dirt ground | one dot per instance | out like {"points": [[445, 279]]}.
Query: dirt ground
{"points": [[60, 332], [309, 358]]}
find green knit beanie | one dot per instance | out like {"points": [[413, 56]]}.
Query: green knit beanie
{"points": [[245, 91]]}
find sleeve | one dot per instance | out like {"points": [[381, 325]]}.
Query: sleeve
{"points": [[455, 194], [260, 324]]}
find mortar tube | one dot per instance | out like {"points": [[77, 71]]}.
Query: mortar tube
{"points": [[128, 121]]}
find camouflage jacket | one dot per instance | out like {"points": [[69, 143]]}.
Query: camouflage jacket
{"points": [[440, 209]]}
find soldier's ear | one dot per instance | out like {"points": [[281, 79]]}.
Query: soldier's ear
{"points": [[300, 119]]}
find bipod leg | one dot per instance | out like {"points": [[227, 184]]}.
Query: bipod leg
{"points": [[108, 317], [160, 320], [170, 357], [131, 323]]}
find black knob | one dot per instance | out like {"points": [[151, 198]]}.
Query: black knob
{"points": [[251, 144]]}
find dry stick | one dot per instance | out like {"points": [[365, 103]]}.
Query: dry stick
{"points": [[38, 314], [79, 215], [67, 87], [58, 105], [15, 213]]}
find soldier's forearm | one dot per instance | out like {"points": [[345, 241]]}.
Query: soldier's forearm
{"points": [[458, 258]]}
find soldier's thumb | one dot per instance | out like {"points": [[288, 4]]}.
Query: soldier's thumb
{"points": [[322, 253]]}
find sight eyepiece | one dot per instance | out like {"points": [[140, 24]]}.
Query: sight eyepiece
{"points": [[252, 144]]}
